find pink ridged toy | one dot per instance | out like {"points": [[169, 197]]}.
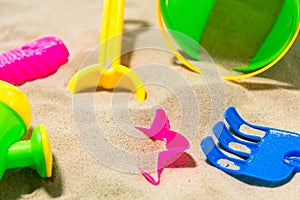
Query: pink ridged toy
{"points": [[175, 143], [34, 60]]}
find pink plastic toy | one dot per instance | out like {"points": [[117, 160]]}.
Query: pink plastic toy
{"points": [[37, 59], [175, 143]]}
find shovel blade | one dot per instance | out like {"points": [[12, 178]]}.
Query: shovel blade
{"points": [[93, 77]]}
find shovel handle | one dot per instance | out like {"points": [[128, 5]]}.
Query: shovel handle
{"points": [[111, 33]]}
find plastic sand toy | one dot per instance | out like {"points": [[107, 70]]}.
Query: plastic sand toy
{"points": [[175, 142], [14, 123], [34, 60], [193, 22], [98, 75], [272, 157]]}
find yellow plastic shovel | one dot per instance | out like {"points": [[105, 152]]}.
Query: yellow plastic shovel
{"points": [[110, 49]]}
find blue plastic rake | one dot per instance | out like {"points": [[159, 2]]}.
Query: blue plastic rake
{"points": [[273, 157]]}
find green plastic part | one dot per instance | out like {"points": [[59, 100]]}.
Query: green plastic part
{"points": [[278, 38], [12, 130], [28, 153], [15, 153], [189, 18]]}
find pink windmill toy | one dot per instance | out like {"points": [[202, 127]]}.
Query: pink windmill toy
{"points": [[175, 143]]}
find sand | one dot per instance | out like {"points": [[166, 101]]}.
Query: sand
{"points": [[96, 150]]}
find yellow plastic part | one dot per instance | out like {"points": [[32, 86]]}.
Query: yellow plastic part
{"points": [[47, 151], [110, 50], [233, 78], [120, 76], [17, 100], [184, 61]]}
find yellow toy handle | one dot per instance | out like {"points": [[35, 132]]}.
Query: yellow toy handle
{"points": [[112, 26], [110, 51]]}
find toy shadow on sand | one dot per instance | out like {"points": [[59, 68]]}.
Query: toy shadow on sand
{"points": [[18, 182], [185, 160], [258, 182]]}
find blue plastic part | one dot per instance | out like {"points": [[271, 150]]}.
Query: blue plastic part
{"points": [[273, 157]]}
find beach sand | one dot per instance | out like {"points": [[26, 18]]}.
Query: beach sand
{"points": [[96, 152]]}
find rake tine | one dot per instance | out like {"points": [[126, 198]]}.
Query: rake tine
{"points": [[235, 121], [216, 156], [226, 138]]}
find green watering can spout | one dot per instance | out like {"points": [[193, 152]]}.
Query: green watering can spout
{"points": [[14, 123]]}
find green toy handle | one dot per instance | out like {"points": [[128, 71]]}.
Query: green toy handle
{"points": [[35, 152], [20, 155]]}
